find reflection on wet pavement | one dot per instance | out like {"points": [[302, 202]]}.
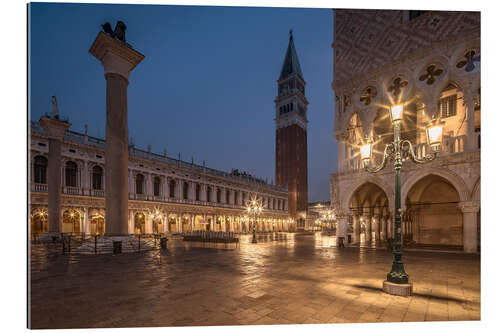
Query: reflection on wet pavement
{"points": [[285, 278]]}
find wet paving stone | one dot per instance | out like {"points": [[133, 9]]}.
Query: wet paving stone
{"points": [[295, 279]]}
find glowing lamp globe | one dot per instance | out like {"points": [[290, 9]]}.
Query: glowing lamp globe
{"points": [[366, 153], [435, 134], [396, 112]]}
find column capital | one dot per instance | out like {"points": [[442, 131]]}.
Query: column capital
{"points": [[115, 56], [469, 206], [54, 128]]}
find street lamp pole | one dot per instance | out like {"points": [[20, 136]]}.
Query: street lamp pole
{"points": [[398, 151], [254, 205]]}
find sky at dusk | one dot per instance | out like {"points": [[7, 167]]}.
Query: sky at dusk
{"points": [[206, 87]]}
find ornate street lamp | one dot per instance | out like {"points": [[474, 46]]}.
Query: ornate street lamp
{"points": [[397, 279], [254, 206]]}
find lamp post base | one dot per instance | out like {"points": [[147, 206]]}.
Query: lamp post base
{"points": [[404, 289]]}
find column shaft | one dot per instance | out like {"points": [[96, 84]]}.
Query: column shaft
{"points": [[54, 185], [116, 155]]}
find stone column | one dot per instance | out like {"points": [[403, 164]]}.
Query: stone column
{"points": [[86, 179], [375, 223], [86, 227], [367, 219], [355, 229], [191, 192], [55, 130], [149, 224], [131, 227], [469, 106], [118, 59], [390, 226], [383, 227], [469, 211]]}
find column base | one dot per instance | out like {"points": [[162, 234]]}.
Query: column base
{"points": [[405, 289]]}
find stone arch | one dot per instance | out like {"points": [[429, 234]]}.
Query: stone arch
{"points": [[389, 192], [448, 175], [432, 212]]}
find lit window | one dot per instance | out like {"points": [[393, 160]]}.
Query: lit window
{"points": [[448, 106]]}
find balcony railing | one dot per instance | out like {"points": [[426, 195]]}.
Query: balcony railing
{"points": [[451, 145], [35, 187], [72, 190]]}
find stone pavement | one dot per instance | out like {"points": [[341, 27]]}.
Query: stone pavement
{"points": [[300, 279]]}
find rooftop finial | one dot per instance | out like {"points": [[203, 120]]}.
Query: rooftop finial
{"points": [[291, 33], [55, 111]]}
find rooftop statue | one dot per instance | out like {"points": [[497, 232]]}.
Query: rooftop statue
{"points": [[55, 111], [118, 33]]}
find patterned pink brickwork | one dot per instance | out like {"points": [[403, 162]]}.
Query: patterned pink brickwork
{"points": [[366, 39]]}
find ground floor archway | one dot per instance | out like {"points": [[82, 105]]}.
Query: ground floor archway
{"points": [[97, 225], [71, 221], [433, 215], [139, 223], [38, 223]]}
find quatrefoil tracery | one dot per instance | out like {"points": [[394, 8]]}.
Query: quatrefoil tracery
{"points": [[430, 75], [468, 60], [368, 94], [396, 86]]}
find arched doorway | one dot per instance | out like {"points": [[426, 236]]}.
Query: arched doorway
{"points": [[39, 223], [186, 224], [433, 215], [367, 205], [139, 223], [97, 225], [71, 221], [172, 224]]}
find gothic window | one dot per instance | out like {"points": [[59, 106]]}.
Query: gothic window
{"points": [[185, 190], [448, 106], [139, 184], [218, 195], [41, 164], [172, 188], [97, 178], [71, 170], [197, 194], [156, 187], [227, 196], [235, 200]]}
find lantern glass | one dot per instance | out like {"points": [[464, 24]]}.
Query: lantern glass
{"points": [[435, 135], [366, 152], [397, 112]]}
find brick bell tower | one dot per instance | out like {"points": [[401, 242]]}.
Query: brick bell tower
{"points": [[291, 134]]}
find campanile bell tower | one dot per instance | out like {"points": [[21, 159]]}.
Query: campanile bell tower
{"points": [[291, 134]]}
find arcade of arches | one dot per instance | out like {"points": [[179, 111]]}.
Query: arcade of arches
{"points": [[433, 214], [154, 221]]}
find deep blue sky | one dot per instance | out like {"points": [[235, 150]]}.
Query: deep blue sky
{"points": [[206, 87]]}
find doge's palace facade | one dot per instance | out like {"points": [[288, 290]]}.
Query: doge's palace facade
{"points": [[166, 195], [429, 61]]}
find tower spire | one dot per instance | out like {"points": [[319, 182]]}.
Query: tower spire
{"points": [[291, 63]]}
